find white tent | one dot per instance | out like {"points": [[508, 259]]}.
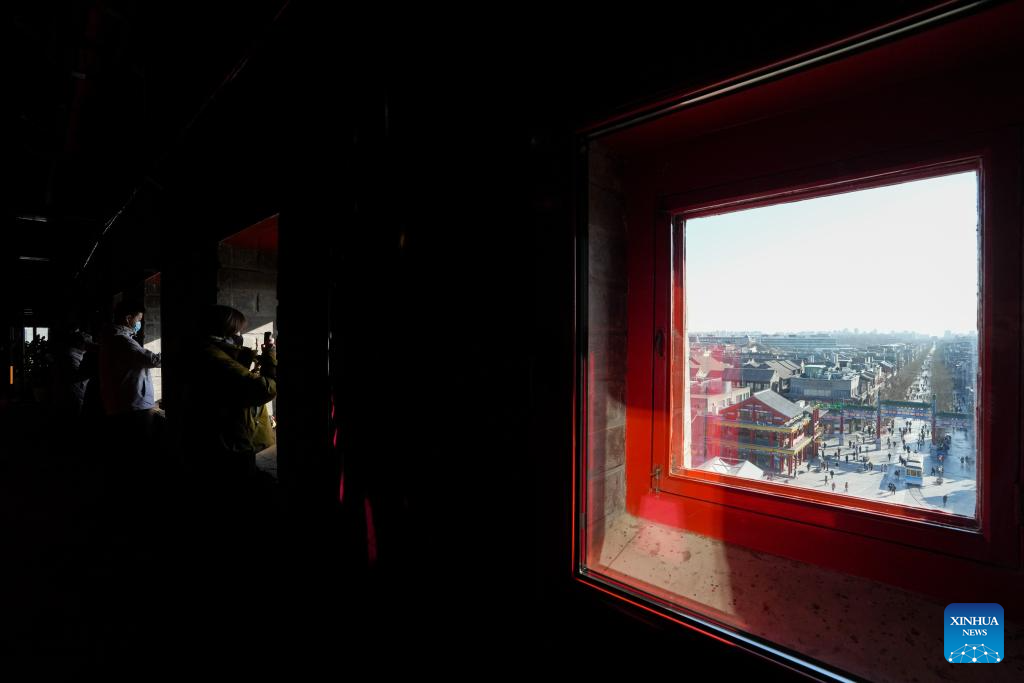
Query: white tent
{"points": [[743, 468]]}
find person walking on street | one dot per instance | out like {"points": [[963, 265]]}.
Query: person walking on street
{"points": [[944, 499]]}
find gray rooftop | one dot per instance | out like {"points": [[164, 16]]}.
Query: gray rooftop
{"points": [[784, 368], [778, 403], [750, 375]]}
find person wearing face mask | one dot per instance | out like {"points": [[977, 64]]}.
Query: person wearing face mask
{"points": [[132, 431], [126, 386]]}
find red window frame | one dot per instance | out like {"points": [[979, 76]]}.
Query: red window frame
{"points": [[931, 531], [758, 514], [728, 149]]}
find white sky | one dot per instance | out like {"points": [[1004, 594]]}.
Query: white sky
{"points": [[903, 257]]}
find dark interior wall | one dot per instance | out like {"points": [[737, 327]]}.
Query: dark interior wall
{"points": [[429, 228], [188, 280]]}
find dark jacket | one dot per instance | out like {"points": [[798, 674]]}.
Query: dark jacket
{"points": [[227, 404]]}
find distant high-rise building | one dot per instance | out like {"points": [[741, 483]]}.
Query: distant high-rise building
{"points": [[799, 342]]}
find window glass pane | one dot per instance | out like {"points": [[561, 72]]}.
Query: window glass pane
{"points": [[852, 321]]}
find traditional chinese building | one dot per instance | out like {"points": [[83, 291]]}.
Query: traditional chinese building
{"points": [[768, 430]]}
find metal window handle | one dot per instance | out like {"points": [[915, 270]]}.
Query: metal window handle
{"points": [[659, 343], [656, 476]]}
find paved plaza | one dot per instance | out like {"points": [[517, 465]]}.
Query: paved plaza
{"points": [[853, 478], [959, 482]]}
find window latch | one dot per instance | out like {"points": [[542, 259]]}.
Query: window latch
{"points": [[659, 343], [656, 476]]}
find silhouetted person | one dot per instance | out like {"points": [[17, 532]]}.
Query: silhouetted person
{"points": [[92, 402], [227, 420], [126, 385], [71, 378], [130, 448]]}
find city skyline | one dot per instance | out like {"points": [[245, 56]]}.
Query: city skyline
{"points": [[846, 332], [900, 259]]}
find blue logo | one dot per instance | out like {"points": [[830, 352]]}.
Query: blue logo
{"points": [[973, 633]]}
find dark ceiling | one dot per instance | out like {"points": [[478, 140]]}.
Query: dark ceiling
{"points": [[136, 114], [96, 108]]}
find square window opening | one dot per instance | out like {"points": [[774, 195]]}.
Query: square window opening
{"points": [[845, 329]]}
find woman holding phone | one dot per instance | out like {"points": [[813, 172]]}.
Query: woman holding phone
{"points": [[227, 420]]}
